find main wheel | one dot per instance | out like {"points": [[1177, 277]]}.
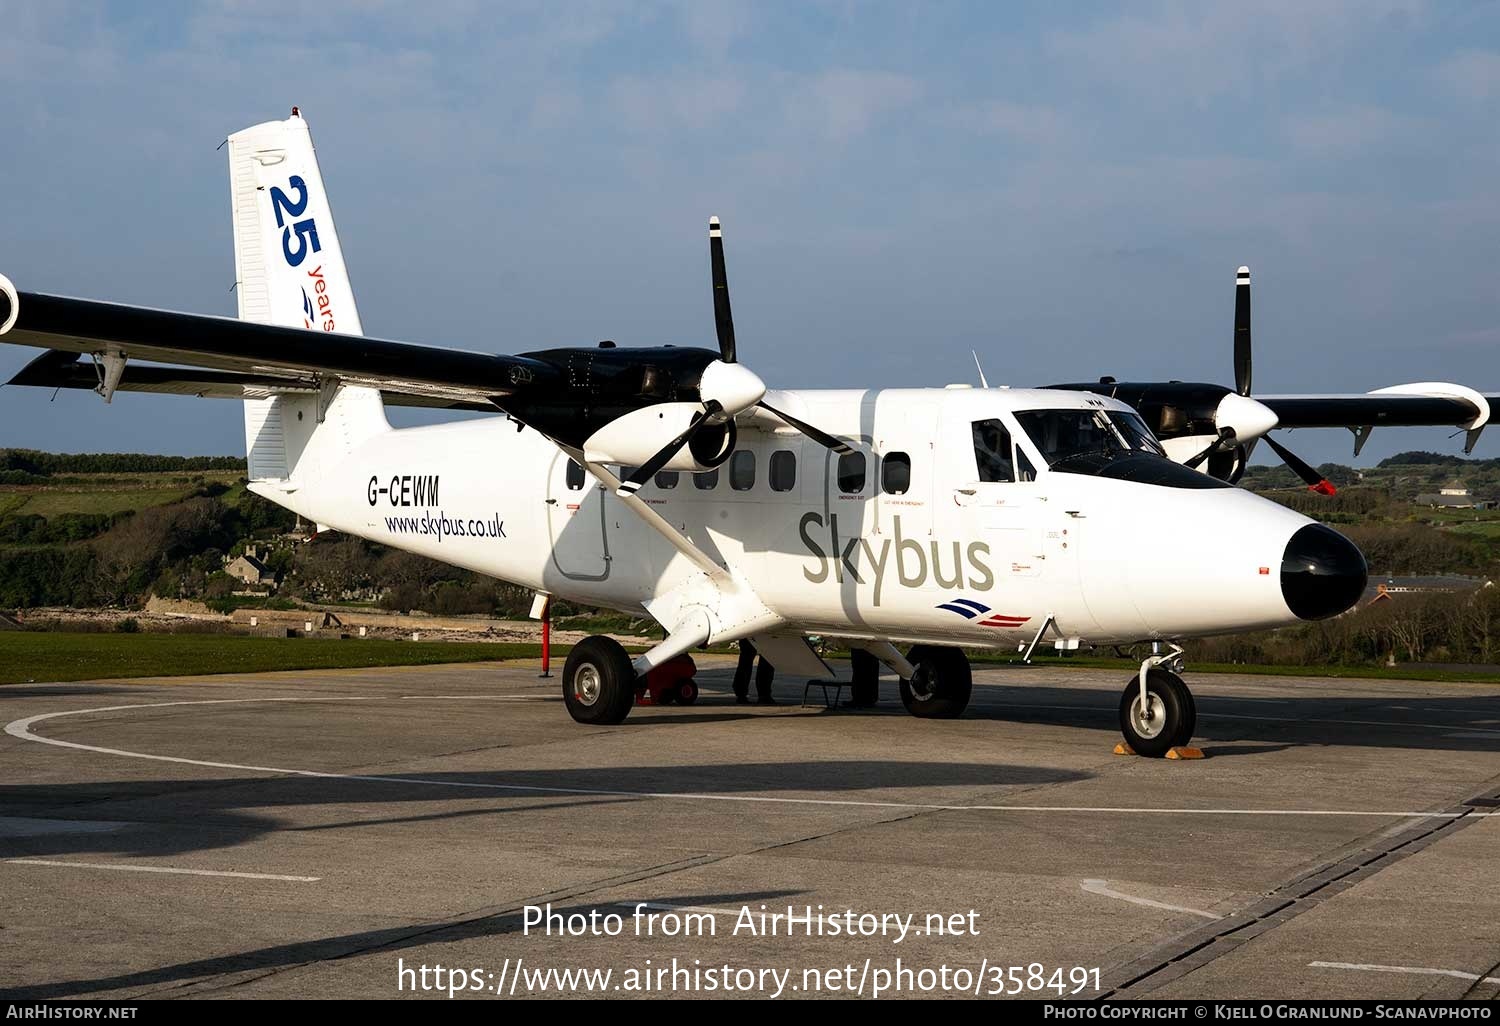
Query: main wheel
{"points": [[940, 688], [687, 692], [864, 688], [1166, 720], [598, 681]]}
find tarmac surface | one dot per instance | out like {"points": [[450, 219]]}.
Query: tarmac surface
{"points": [[314, 834]]}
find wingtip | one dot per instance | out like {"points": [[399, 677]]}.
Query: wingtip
{"points": [[10, 305]]}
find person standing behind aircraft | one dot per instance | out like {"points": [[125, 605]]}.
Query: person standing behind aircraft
{"points": [[765, 674]]}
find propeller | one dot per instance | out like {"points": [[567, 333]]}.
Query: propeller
{"points": [[1315, 481], [727, 387], [1240, 418]]}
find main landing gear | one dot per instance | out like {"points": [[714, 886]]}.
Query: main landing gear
{"points": [[1161, 715], [598, 681], [600, 684], [939, 687]]}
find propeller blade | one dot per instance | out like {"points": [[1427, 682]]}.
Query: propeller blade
{"points": [[1242, 331], [1226, 438], [1315, 481], [723, 319], [646, 471], [1205, 454], [823, 438]]}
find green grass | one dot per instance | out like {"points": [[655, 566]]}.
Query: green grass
{"points": [[1489, 529], [10, 502], [36, 656], [51, 502]]}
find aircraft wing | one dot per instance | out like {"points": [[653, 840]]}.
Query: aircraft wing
{"points": [[1430, 404], [59, 368], [248, 353]]}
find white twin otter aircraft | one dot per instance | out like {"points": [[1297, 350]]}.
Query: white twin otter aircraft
{"points": [[672, 481]]}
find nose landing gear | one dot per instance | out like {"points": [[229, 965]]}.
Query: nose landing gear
{"points": [[1157, 712]]}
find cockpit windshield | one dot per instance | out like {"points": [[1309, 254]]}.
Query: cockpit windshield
{"points": [[1107, 443], [1065, 435]]}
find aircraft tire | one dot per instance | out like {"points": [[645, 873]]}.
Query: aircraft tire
{"points": [[1190, 720], [942, 685], [1172, 715], [864, 687], [598, 681], [687, 692]]}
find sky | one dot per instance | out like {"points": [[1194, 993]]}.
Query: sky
{"points": [[1066, 189]]}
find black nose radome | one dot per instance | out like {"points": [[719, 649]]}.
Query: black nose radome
{"points": [[1322, 573]]}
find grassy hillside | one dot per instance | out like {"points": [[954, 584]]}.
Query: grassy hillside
{"points": [[107, 493]]}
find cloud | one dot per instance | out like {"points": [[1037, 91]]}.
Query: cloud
{"points": [[1195, 51], [1472, 74], [842, 103], [1022, 123], [1345, 131]]}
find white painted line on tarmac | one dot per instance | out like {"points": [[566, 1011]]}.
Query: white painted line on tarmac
{"points": [[22, 729], [163, 869], [1415, 970], [1209, 714], [1102, 888], [482, 698]]}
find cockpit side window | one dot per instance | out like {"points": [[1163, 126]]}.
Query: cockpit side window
{"points": [[992, 451]]}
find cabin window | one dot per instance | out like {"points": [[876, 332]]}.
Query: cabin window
{"points": [[895, 473], [575, 476], [851, 473], [992, 451], [666, 479], [706, 481], [783, 471], [742, 470]]}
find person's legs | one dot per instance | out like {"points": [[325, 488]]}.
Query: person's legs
{"points": [[742, 672], [764, 675]]}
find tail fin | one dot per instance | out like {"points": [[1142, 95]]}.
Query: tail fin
{"points": [[290, 271]]}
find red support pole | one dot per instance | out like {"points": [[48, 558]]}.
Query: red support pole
{"points": [[547, 644]]}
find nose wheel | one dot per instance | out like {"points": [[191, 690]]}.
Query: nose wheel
{"points": [[1163, 719]]}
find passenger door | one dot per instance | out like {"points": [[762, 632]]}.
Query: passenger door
{"points": [[576, 521], [1002, 501]]}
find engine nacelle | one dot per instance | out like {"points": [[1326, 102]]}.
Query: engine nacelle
{"points": [[637, 436]]}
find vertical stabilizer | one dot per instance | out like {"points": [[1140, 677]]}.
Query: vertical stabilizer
{"points": [[289, 270]]}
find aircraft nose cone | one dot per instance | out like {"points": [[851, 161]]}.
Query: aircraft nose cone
{"points": [[1322, 573]]}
